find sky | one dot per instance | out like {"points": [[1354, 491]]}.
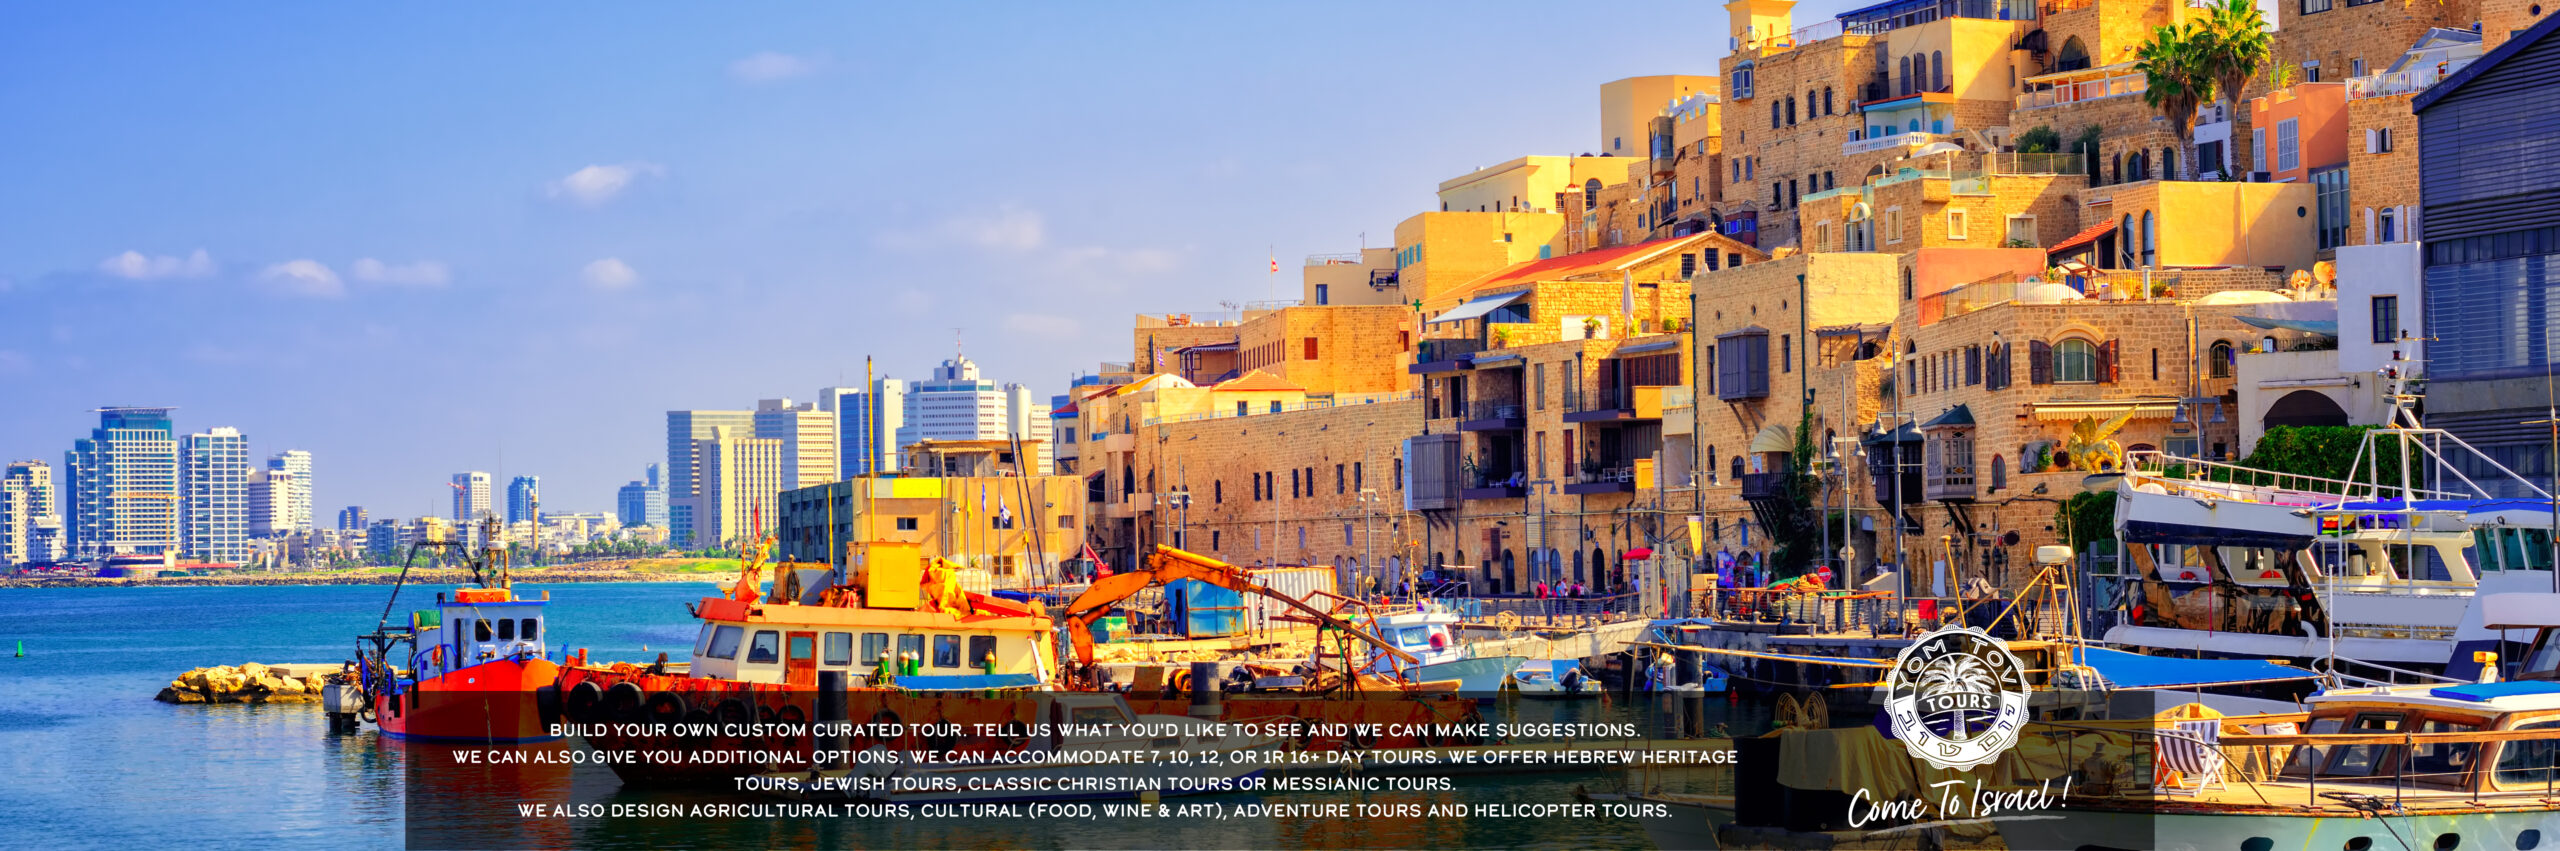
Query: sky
{"points": [[417, 240]]}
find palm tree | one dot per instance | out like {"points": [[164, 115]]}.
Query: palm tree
{"points": [[2177, 78], [1962, 674], [2238, 46]]}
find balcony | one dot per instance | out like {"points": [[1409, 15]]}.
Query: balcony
{"points": [[1897, 140], [1492, 415], [1882, 89], [1495, 491], [2416, 79], [1119, 442], [1763, 487], [2093, 88], [1606, 477], [1382, 279], [1615, 404], [1443, 355]]}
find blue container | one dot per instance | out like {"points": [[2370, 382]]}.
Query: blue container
{"points": [[1202, 610]]}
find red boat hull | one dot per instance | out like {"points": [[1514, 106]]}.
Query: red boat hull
{"points": [[493, 703]]}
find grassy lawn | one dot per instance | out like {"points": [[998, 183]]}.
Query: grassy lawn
{"points": [[688, 565]]}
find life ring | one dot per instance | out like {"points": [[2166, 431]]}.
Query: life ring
{"points": [[734, 711], [1177, 685], [665, 707], [1361, 738], [624, 702], [790, 714], [582, 700], [764, 714]]}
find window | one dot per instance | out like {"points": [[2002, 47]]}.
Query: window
{"points": [[874, 646], [532, 629], [1955, 224], [2311, 6], [982, 651], [1217, 491], [2389, 228], [1275, 406], [724, 643], [1688, 262], [1893, 224], [946, 651], [1213, 540], [1786, 353], [2222, 359], [1311, 348], [1338, 480], [2377, 140], [2257, 148], [2075, 361], [506, 629], [910, 647], [1357, 480], [766, 649], [1906, 284], [2022, 229], [839, 650], [2386, 319], [2530, 761], [1538, 384], [803, 647], [2150, 241], [906, 524], [2289, 143], [1320, 294], [480, 631]]}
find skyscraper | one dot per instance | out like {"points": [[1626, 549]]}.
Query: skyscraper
{"points": [[470, 498], [641, 504], [270, 503], [214, 474], [808, 438], [958, 404], [867, 424], [524, 500], [352, 519], [26, 504], [294, 498], [1026, 418], [124, 484], [741, 476], [685, 430], [382, 541]]}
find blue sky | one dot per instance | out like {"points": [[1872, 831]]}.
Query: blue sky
{"points": [[416, 241]]}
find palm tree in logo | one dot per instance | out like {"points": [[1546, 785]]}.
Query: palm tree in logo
{"points": [[1957, 674]]}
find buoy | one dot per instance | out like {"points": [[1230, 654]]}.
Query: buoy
{"points": [[22, 649]]}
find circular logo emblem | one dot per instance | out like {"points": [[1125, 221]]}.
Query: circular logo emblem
{"points": [[1956, 697]]}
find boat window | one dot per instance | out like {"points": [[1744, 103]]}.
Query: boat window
{"points": [[766, 649], [702, 643], [2484, 548], [910, 647], [506, 630], [2363, 760], [946, 651], [982, 651], [2443, 763], [839, 649], [724, 642], [874, 646], [2543, 661], [532, 629], [480, 630], [2537, 548], [803, 647], [2532, 761]]}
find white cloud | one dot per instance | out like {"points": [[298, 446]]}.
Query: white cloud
{"points": [[424, 273], [1043, 325], [304, 277], [769, 66], [133, 265], [597, 184], [609, 274]]}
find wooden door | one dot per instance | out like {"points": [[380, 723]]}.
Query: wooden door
{"points": [[800, 659]]}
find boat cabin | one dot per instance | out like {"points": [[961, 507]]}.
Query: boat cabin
{"points": [[477, 625], [778, 651]]}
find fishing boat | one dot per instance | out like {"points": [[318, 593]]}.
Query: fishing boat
{"points": [[1425, 651], [2434, 765], [473, 670], [1553, 678], [1095, 757]]}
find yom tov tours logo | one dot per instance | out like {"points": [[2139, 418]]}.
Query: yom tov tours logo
{"points": [[1957, 698]]}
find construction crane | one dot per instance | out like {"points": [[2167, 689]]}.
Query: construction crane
{"points": [[1167, 565]]}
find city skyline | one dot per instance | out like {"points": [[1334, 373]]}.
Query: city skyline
{"points": [[774, 212]]}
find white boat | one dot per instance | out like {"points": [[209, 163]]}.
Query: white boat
{"points": [[2438, 765], [1553, 678], [1104, 750], [1424, 630]]}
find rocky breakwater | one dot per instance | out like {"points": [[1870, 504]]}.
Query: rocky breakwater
{"points": [[249, 683]]}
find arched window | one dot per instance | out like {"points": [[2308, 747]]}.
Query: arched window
{"points": [[2150, 241], [1791, 110], [1737, 469], [2125, 238], [2115, 167], [2075, 361], [1711, 461], [1826, 102], [2074, 56], [1999, 473], [1591, 193], [2222, 360]]}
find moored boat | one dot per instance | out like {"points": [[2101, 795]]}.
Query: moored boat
{"points": [[471, 671]]}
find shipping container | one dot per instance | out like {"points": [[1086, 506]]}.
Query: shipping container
{"points": [[1298, 583], [1202, 610]]}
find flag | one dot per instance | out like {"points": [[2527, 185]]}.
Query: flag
{"points": [[1275, 264]]}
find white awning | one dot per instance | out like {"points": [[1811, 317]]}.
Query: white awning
{"points": [[1478, 308]]}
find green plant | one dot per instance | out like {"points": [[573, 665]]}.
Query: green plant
{"points": [[2019, 243], [1791, 521], [2087, 518], [2040, 139], [2328, 452]]}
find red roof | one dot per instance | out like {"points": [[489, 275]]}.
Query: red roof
{"points": [[1555, 268], [2082, 238], [1257, 380], [1068, 411]]}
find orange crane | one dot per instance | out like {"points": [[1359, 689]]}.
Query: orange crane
{"points": [[1167, 564]]}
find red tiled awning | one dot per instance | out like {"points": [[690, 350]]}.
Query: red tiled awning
{"points": [[2082, 238]]}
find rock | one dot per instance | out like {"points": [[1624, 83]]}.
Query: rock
{"points": [[283, 685], [253, 670]]}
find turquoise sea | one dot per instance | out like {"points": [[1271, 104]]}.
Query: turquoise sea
{"points": [[88, 759]]}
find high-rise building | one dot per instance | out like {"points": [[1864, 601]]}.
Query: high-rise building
{"points": [[741, 476], [470, 498], [867, 425], [214, 482], [808, 438], [26, 506], [295, 499], [639, 504], [382, 541], [956, 404], [124, 485], [524, 500], [270, 503], [1026, 418], [685, 430], [654, 484], [352, 519]]}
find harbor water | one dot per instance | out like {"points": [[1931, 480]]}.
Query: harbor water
{"points": [[85, 752]]}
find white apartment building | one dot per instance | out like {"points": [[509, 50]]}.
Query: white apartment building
{"points": [[685, 432], [296, 499], [124, 485], [741, 477], [26, 504], [808, 436], [214, 483]]}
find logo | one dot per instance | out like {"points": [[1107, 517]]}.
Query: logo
{"points": [[1956, 697]]}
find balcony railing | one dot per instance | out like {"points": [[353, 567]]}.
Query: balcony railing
{"points": [[1883, 88], [1272, 304], [1897, 140], [2417, 79], [1491, 415], [1351, 258], [2075, 92], [1442, 355], [1312, 403], [1611, 476]]}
